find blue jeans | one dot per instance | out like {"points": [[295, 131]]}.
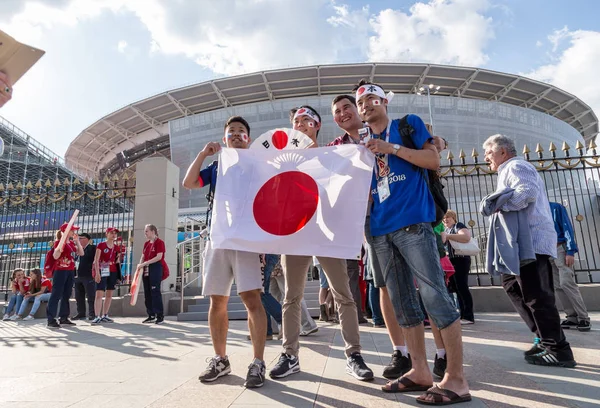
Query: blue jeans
{"points": [[62, 286], [415, 251], [373, 297], [271, 305], [14, 303], [37, 300]]}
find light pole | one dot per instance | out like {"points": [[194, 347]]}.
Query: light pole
{"points": [[430, 89]]}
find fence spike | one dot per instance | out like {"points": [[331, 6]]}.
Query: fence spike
{"points": [[579, 146], [450, 155], [19, 186], [565, 147], [462, 154], [106, 179], [67, 182], [28, 185], [47, 183], [38, 184], [76, 182], [552, 147], [474, 153], [539, 148], [10, 187], [125, 177], [526, 149], [1, 187], [115, 177], [592, 144]]}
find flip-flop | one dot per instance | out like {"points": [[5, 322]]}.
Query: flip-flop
{"points": [[409, 386], [438, 395]]}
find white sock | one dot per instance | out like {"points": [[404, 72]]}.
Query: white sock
{"points": [[257, 361], [441, 353], [403, 350], [217, 357]]}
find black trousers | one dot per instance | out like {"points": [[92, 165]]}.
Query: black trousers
{"points": [[460, 281], [532, 294], [85, 286], [152, 294]]}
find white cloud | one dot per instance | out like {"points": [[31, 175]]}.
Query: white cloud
{"points": [[575, 65], [440, 31], [122, 46], [538, 43]]}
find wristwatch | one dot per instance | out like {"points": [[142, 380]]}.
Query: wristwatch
{"points": [[396, 147]]}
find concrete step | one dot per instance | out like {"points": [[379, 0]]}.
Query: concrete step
{"points": [[236, 304], [232, 315]]}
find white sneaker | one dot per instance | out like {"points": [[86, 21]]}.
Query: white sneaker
{"points": [[97, 320], [14, 318], [304, 333], [29, 317], [6, 317]]}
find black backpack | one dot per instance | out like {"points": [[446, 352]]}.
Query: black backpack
{"points": [[431, 176]]}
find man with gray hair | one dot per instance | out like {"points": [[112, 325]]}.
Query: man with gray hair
{"points": [[530, 288]]}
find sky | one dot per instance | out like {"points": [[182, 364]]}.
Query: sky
{"points": [[102, 55]]}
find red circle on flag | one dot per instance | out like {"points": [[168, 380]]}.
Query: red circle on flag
{"points": [[279, 139], [286, 203], [361, 90]]}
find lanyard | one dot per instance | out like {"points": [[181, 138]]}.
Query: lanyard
{"points": [[387, 132], [381, 160]]}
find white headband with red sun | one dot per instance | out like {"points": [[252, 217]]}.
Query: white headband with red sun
{"points": [[370, 89], [307, 112]]}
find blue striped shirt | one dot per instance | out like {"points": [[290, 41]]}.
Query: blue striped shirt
{"points": [[529, 189]]}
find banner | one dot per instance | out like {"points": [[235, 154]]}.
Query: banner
{"points": [[294, 202], [33, 222]]}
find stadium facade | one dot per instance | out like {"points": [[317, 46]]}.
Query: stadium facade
{"points": [[471, 104]]}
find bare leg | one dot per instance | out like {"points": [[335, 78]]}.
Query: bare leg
{"points": [[437, 336], [98, 302], [107, 301], [323, 292], [218, 323], [415, 340], [389, 317], [257, 321]]}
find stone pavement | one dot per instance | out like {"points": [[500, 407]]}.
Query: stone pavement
{"points": [[127, 364]]}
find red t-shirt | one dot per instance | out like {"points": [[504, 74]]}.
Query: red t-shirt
{"points": [[153, 248], [48, 284], [26, 284], [108, 255], [66, 261]]}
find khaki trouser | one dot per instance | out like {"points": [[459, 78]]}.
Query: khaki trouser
{"points": [[567, 289], [295, 269]]}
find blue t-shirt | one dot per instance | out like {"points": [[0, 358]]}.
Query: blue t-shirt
{"points": [[208, 177], [410, 201]]}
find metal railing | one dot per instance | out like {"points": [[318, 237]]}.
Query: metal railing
{"points": [[189, 261]]}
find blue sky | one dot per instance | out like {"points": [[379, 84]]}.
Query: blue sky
{"points": [[104, 54]]}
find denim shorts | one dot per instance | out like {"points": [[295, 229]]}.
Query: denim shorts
{"points": [[323, 282], [374, 268], [415, 254]]}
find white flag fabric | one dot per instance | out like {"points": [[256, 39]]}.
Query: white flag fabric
{"points": [[293, 202]]}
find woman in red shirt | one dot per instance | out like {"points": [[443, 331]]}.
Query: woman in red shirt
{"points": [[62, 279], [153, 263], [105, 262], [20, 285], [39, 291]]}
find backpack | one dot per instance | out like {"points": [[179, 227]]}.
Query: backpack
{"points": [[49, 264], [436, 188]]}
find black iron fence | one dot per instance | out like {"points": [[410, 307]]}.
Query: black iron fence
{"points": [[572, 180], [32, 211]]}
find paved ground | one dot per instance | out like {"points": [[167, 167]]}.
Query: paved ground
{"points": [[130, 365]]}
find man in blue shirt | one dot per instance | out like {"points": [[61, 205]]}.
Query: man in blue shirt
{"points": [[401, 216], [222, 266], [562, 270]]}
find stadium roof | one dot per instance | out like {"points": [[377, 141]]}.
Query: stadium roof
{"points": [[97, 145]]}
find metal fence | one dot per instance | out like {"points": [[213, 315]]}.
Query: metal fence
{"points": [[32, 211], [572, 180]]}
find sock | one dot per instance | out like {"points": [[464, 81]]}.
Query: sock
{"points": [[257, 361], [402, 349], [441, 353], [217, 357]]}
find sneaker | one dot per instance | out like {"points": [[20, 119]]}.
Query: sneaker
{"points": [[399, 365], [106, 319], [356, 367], [6, 317], [91, 317], [465, 322], [287, 365], [97, 320], [67, 322], [378, 325], [29, 317], [584, 326], [78, 316], [269, 337], [14, 318], [568, 324], [363, 321], [536, 348], [53, 324], [304, 333], [256, 375], [323, 313], [160, 320], [439, 366], [548, 358], [217, 367], [149, 319]]}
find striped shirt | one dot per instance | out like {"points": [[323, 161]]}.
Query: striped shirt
{"points": [[529, 189]]}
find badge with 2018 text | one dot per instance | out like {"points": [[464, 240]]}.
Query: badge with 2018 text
{"points": [[383, 189]]}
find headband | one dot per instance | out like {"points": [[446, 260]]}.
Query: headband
{"points": [[375, 90], [307, 112]]}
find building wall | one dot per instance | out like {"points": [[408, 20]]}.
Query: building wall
{"points": [[465, 123]]}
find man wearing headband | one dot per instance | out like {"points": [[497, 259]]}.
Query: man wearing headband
{"points": [[308, 121], [401, 215], [222, 266]]}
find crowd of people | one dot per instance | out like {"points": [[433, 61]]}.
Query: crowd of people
{"points": [[411, 264]]}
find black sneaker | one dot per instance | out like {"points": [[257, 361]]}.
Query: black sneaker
{"points": [[256, 375], [399, 365], [568, 324], [584, 326], [160, 320], [150, 319], [356, 367], [67, 322], [439, 366], [53, 324], [548, 358], [287, 365], [78, 316], [217, 367], [535, 349], [91, 317]]}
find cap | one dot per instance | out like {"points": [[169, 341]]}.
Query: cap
{"points": [[63, 227], [111, 229]]}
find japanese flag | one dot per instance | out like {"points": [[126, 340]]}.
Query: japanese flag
{"points": [[282, 139], [296, 202]]}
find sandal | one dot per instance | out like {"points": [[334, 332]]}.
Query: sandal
{"points": [[408, 386], [439, 394]]}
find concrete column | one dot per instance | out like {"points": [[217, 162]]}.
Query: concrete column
{"points": [[157, 202]]}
